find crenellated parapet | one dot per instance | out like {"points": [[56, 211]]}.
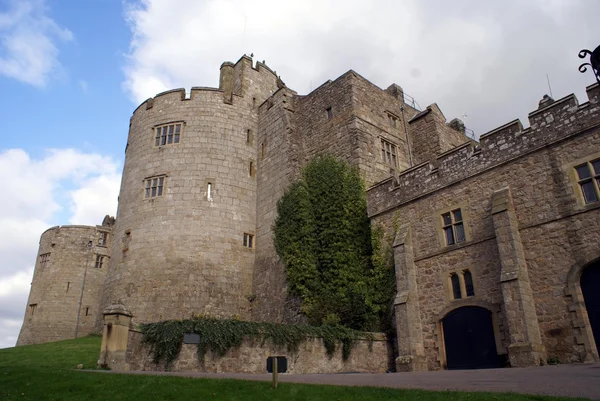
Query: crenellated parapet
{"points": [[552, 122]]}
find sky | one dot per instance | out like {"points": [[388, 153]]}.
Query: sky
{"points": [[73, 71]]}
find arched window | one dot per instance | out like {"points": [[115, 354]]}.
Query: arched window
{"points": [[454, 279], [469, 283]]}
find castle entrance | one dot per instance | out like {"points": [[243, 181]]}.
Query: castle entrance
{"points": [[590, 287], [469, 339]]}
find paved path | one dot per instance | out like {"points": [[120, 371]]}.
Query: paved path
{"points": [[576, 380]]}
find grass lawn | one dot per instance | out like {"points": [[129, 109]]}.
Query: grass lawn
{"points": [[47, 372]]}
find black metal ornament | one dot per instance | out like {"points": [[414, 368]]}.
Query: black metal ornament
{"points": [[594, 62]]}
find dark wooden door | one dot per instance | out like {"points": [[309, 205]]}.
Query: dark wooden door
{"points": [[469, 339], [590, 286]]}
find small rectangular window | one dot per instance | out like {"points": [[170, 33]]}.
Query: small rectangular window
{"points": [[126, 240], [248, 240], [68, 285], [32, 308], [99, 261], [393, 120], [44, 260], [588, 177], [455, 281], [468, 277], [251, 170], [103, 238], [454, 230], [249, 137], [329, 111], [209, 191], [167, 134], [87, 311], [154, 187], [262, 150]]}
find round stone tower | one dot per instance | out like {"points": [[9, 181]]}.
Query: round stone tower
{"points": [[184, 236], [65, 255]]}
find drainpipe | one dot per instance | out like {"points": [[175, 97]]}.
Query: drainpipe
{"points": [[407, 139], [87, 260]]}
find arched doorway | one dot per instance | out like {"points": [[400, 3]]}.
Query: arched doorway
{"points": [[590, 287], [469, 339]]}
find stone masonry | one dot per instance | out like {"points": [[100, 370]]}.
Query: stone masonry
{"points": [[204, 170]]}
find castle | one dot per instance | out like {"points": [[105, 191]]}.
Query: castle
{"points": [[495, 242]]}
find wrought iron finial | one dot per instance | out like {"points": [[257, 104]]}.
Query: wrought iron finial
{"points": [[594, 62]]}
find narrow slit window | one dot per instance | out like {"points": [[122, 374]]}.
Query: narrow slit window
{"points": [[68, 285], [32, 308], [468, 277], [262, 150], [329, 111], [249, 136], [209, 191], [87, 311], [455, 281], [251, 169]]}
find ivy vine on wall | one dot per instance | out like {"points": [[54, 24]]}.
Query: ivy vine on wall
{"points": [[220, 335], [339, 267]]}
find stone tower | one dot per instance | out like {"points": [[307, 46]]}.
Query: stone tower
{"points": [[65, 255], [185, 234]]}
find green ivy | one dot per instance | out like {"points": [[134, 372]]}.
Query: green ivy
{"points": [[339, 268], [221, 335]]}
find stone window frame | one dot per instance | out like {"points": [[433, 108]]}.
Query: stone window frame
{"points": [[248, 241], [210, 187], [44, 260], [148, 186], [162, 132], [32, 308], [126, 240], [460, 274], [99, 261], [388, 152], [249, 137], [252, 168], [393, 120], [575, 181], [439, 225], [329, 111], [103, 238]]}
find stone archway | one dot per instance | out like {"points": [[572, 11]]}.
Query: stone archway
{"points": [[462, 311], [584, 336], [590, 288]]}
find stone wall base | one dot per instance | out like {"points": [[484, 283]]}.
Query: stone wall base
{"points": [[523, 355], [409, 363]]}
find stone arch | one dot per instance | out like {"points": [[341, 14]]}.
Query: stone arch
{"points": [[496, 322], [576, 304]]}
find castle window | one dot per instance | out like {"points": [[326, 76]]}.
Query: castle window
{"points": [[99, 261], [468, 278], [44, 259], [329, 111], [388, 153], [87, 311], [455, 281], [248, 240], [249, 137], [167, 134], [209, 191], [68, 285], [452, 224], [262, 150], [393, 120], [126, 240], [32, 308], [588, 177], [154, 187], [251, 169], [461, 284], [103, 238]]}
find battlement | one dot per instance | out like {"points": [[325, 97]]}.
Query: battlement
{"points": [[552, 122]]}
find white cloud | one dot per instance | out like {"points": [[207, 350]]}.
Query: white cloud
{"points": [[486, 59], [28, 42], [80, 188]]}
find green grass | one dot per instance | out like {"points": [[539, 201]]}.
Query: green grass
{"points": [[47, 372]]}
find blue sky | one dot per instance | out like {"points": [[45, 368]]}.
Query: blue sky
{"points": [[72, 72]]}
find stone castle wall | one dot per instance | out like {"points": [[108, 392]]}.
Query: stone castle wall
{"points": [[182, 253], [251, 357], [53, 303], [556, 230]]}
